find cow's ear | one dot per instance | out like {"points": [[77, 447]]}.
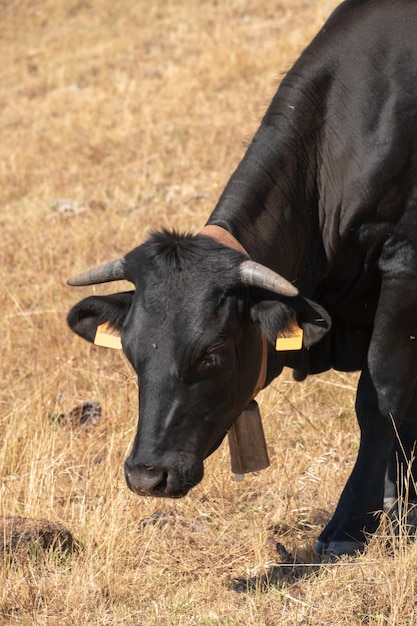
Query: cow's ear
{"points": [[313, 319], [275, 316], [87, 315]]}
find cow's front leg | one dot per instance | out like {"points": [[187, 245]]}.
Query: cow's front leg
{"points": [[401, 475], [385, 394], [356, 514]]}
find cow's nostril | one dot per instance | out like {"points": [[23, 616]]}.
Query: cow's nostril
{"points": [[161, 487]]}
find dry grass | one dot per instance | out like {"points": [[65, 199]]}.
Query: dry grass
{"points": [[137, 113]]}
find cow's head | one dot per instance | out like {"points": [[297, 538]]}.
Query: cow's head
{"points": [[193, 330]]}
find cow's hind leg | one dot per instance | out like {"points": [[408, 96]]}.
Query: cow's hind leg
{"points": [[385, 393]]}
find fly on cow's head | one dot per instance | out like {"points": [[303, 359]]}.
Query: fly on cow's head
{"points": [[193, 331]]}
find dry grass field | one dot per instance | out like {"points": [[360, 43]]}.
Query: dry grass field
{"points": [[116, 118]]}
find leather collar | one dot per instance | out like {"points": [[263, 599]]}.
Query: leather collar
{"points": [[222, 236]]}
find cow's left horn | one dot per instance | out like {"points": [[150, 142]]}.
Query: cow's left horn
{"points": [[115, 270], [254, 274]]}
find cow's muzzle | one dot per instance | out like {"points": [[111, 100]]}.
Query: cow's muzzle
{"points": [[145, 480]]}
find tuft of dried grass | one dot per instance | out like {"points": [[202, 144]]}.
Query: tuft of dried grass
{"points": [[118, 118]]}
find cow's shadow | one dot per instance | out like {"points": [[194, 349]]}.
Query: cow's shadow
{"points": [[276, 576], [398, 527], [291, 570]]}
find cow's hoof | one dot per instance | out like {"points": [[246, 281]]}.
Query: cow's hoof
{"points": [[335, 549]]}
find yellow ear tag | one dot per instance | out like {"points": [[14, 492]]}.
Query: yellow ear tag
{"points": [[290, 338], [107, 337]]}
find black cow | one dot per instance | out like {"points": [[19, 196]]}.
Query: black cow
{"points": [[326, 195]]}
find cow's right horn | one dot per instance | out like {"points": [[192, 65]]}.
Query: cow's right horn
{"points": [[254, 274], [115, 270]]}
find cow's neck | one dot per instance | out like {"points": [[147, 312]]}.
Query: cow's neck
{"points": [[270, 202]]}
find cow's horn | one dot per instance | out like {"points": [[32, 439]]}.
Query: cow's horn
{"points": [[115, 270], [256, 275]]}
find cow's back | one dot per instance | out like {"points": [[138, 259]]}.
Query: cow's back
{"points": [[357, 83], [354, 91]]}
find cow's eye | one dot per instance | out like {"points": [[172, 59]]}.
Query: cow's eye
{"points": [[213, 357], [210, 359]]}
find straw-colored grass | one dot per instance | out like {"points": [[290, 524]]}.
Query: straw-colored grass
{"points": [[136, 113]]}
